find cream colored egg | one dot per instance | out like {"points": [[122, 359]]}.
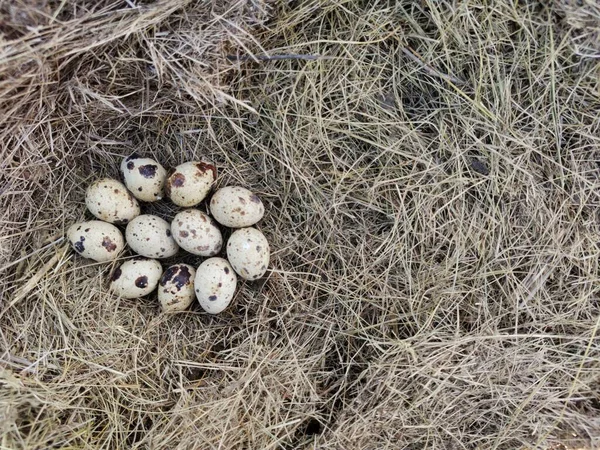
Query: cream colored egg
{"points": [[176, 288], [150, 236], [197, 233], [109, 200], [236, 207], [248, 252], [96, 240], [136, 278], [190, 183], [144, 177], [215, 285]]}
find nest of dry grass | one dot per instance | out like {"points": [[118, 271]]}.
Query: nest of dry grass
{"points": [[432, 186]]}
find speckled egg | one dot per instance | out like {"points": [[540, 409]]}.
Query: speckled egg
{"points": [[136, 278], [176, 288], [215, 285], [197, 233], [150, 236], [248, 252], [236, 207], [96, 240], [190, 182], [144, 177], [109, 200]]}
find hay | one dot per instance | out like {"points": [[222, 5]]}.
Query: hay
{"points": [[432, 189]]}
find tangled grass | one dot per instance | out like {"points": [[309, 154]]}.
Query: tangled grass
{"points": [[432, 182]]}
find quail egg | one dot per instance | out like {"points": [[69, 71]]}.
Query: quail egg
{"points": [[248, 252], [215, 284], [196, 233], [176, 288], [190, 182], [144, 177], [136, 277], [236, 207], [96, 240], [109, 200], [150, 236]]}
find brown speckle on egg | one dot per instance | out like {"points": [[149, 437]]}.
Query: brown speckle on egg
{"points": [[203, 167], [116, 274], [130, 165], [212, 298], [148, 170], [178, 180], [79, 245], [108, 244], [184, 234], [141, 282]]}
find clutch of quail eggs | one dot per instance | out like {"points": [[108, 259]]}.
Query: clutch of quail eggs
{"points": [[213, 282]]}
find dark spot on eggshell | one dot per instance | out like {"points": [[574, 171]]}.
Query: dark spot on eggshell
{"points": [[212, 298], [242, 200], [87, 230], [254, 198], [202, 248], [258, 248], [108, 244], [168, 275], [141, 282], [79, 228], [130, 165], [178, 179], [220, 284], [116, 274], [193, 232], [184, 234], [263, 267], [203, 167], [140, 189], [226, 269], [203, 217], [148, 170], [78, 246], [173, 302], [162, 249]]}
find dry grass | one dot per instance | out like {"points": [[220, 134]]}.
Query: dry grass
{"points": [[432, 187]]}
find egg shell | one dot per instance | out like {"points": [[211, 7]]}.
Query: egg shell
{"points": [[236, 207], [109, 200], [190, 182], [248, 252], [197, 233], [176, 288], [96, 240], [136, 278], [150, 236], [144, 177], [215, 284]]}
